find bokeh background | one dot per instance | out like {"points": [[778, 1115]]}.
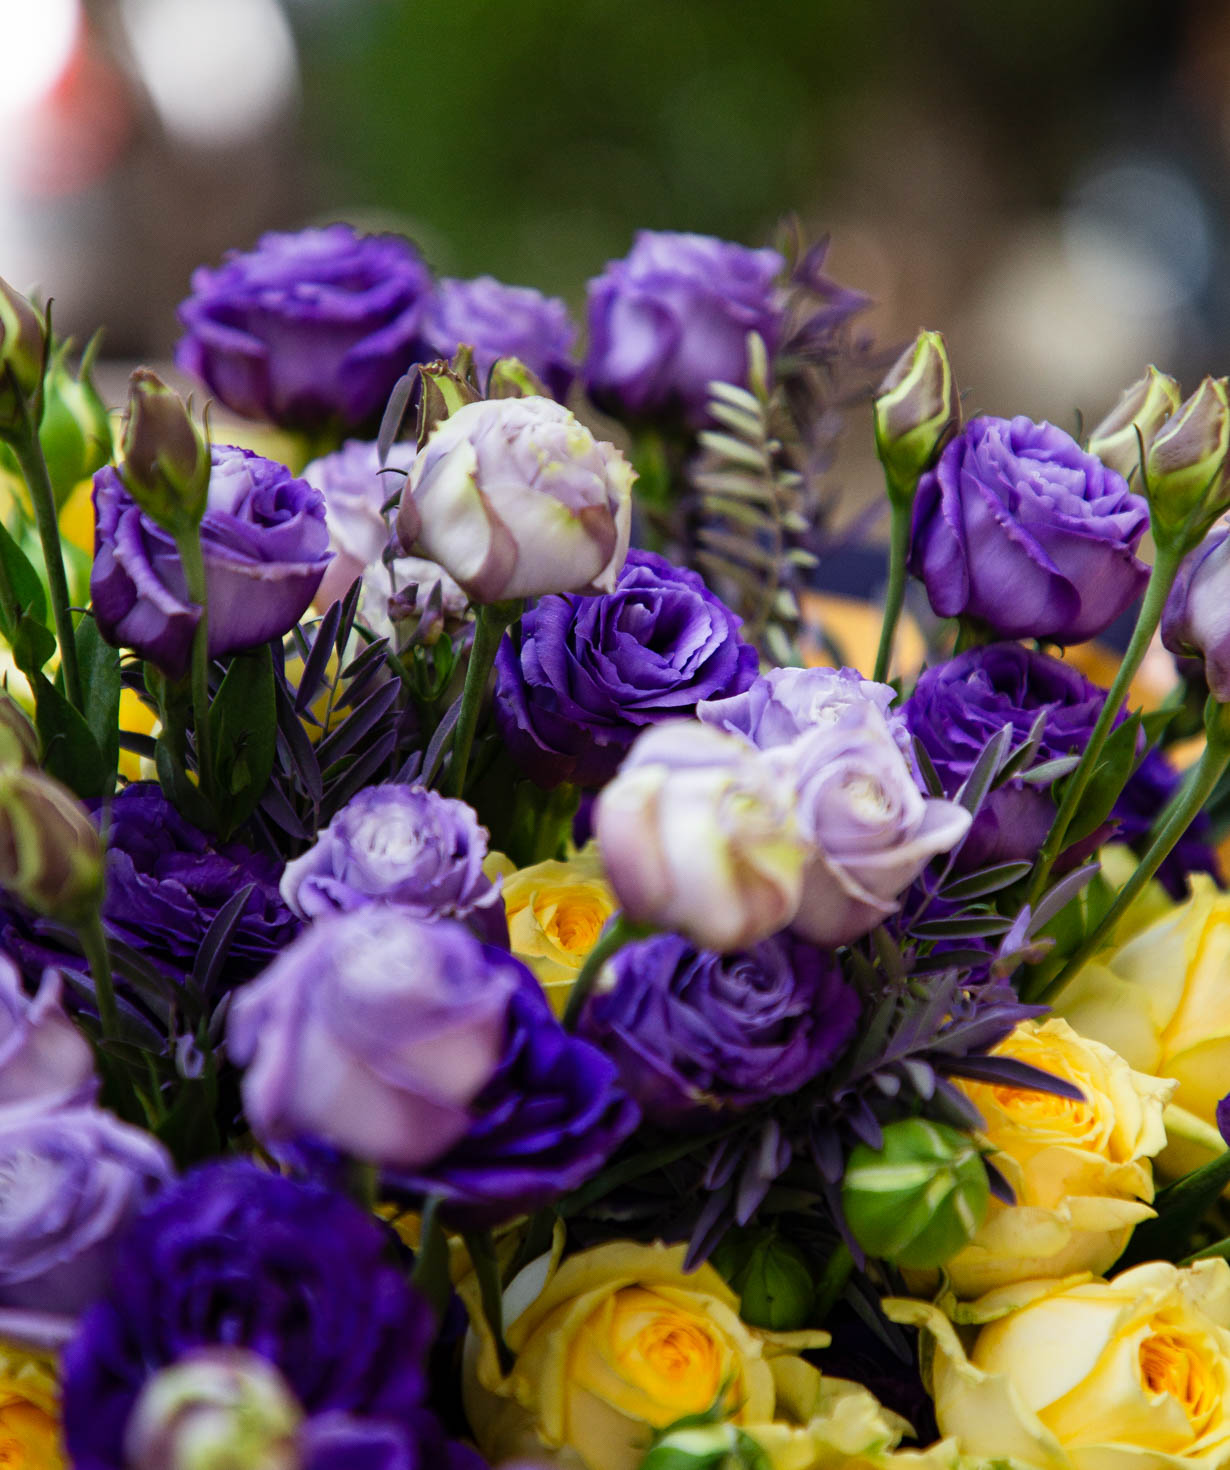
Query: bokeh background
{"points": [[1045, 180]]}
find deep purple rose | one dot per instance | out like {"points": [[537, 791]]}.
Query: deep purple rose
{"points": [[45, 1061], [1196, 619], [307, 329], [548, 1120], [73, 1179], [591, 672], [672, 317], [504, 321], [695, 1033], [1018, 527], [265, 545], [237, 1257]]}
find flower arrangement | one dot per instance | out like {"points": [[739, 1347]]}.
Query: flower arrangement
{"points": [[471, 993]]}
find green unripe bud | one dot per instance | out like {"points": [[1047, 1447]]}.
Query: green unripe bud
{"points": [[51, 854], [76, 429], [18, 737], [773, 1277], [21, 354], [920, 1198], [166, 457], [917, 411], [700, 1446], [1145, 406], [1186, 477], [510, 378]]}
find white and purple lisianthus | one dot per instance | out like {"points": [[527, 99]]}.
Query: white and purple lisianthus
{"points": [[1196, 619], [504, 321], [45, 1061]]}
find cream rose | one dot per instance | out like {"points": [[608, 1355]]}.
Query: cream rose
{"points": [[1080, 1171], [1127, 1374]]}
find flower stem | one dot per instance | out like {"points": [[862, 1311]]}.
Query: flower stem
{"points": [[29, 452], [486, 1268], [620, 931], [894, 597], [93, 944], [1161, 579], [431, 1265], [490, 623], [189, 544]]}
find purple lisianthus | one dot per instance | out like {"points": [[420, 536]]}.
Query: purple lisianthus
{"points": [[73, 1179], [265, 545], [1196, 619], [782, 704], [404, 845], [45, 1061], [589, 673], [234, 1256], [308, 328], [674, 316], [504, 321], [1019, 528], [547, 1121], [374, 1033], [695, 1034]]}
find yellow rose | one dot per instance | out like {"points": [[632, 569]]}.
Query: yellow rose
{"points": [[1080, 1170], [615, 1343], [555, 914], [1127, 1374], [1162, 1001], [29, 1418]]}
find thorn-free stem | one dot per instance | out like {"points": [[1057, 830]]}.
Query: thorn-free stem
{"points": [[490, 623], [894, 597], [189, 544], [94, 946]]}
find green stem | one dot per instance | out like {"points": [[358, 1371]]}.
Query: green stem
{"points": [[894, 597], [490, 623], [486, 1268], [431, 1264], [616, 934], [94, 946], [1161, 579], [189, 544], [1212, 763], [363, 1182], [29, 452]]}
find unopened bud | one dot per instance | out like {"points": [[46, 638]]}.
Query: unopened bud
{"points": [[718, 1446], [215, 1409], [21, 354], [51, 856], [917, 410], [1145, 406], [920, 1198], [166, 458], [75, 432], [510, 378], [18, 737], [1186, 466]]}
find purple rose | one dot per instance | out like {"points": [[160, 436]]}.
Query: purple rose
{"points": [[547, 1121], [591, 672], [785, 703], [504, 321], [674, 316], [403, 845], [1018, 527], [309, 328], [374, 1032], [73, 1179], [696, 1033], [1196, 619], [265, 545], [234, 1256]]}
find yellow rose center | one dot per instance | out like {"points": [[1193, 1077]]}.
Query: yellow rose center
{"points": [[1174, 1363], [1044, 1109], [28, 1439], [572, 921]]}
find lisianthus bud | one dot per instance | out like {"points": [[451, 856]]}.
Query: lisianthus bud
{"points": [[21, 352], [51, 855], [1145, 406], [215, 1407], [166, 458], [75, 431], [18, 737], [1196, 619], [917, 1200], [774, 1279], [917, 411], [1186, 465]]}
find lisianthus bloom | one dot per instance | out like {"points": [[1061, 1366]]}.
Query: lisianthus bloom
{"points": [[615, 1343], [29, 1411], [1194, 622], [504, 321], [1080, 1171], [584, 675], [45, 1061], [307, 328], [1089, 1375], [1021, 529], [782, 704], [556, 911], [356, 489]]}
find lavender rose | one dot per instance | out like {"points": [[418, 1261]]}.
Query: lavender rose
{"points": [[373, 1032], [514, 497], [591, 672], [672, 317], [265, 545], [403, 845], [45, 1062], [1018, 527], [74, 1178], [356, 489], [504, 321], [307, 329], [695, 1034], [1196, 619]]}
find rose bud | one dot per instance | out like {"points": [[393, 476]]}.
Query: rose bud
{"points": [[215, 1406], [919, 1198], [917, 410], [51, 855], [1196, 618], [166, 458], [18, 737], [21, 353], [1186, 465], [1145, 406], [514, 497]]}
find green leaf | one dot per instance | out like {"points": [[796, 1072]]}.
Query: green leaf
{"points": [[27, 584], [1180, 1208], [1110, 776], [33, 644], [190, 1128], [244, 723], [70, 752], [179, 788], [100, 689]]}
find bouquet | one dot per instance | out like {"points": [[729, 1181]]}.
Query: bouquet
{"points": [[476, 987]]}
